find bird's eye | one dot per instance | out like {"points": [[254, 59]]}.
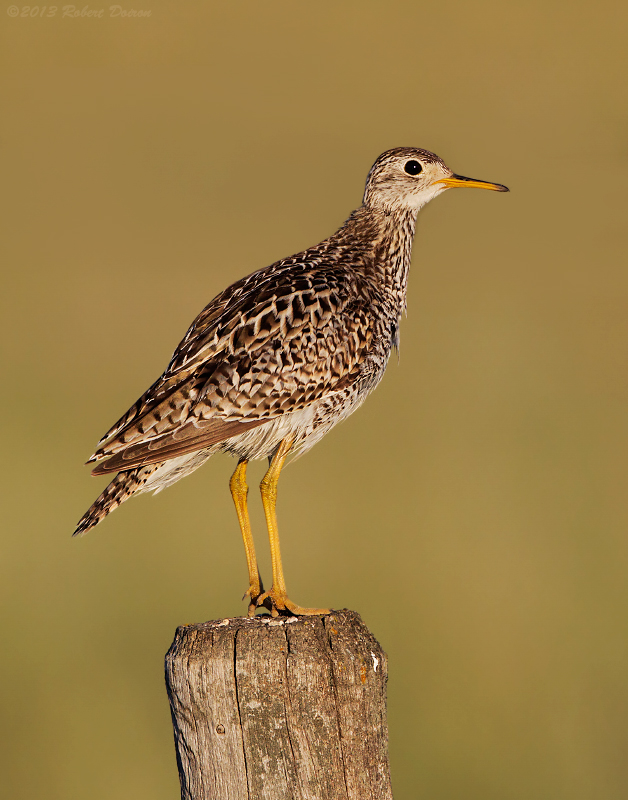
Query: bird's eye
{"points": [[413, 167]]}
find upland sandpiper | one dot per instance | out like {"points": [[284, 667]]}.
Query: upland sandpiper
{"points": [[280, 357]]}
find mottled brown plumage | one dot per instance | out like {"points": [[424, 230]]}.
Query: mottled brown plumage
{"points": [[277, 359]]}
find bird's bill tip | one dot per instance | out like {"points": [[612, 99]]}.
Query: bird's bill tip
{"points": [[459, 181]]}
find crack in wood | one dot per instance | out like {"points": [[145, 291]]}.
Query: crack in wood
{"points": [[237, 696]]}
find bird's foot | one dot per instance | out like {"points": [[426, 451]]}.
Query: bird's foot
{"points": [[279, 603], [254, 592]]}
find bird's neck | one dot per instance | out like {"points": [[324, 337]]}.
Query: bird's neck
{"points": [[386, 238]]}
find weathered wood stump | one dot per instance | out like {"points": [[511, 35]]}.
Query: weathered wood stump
{"points": [[271, 709]]}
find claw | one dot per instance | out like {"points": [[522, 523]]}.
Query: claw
{"points": [[254, 593]]}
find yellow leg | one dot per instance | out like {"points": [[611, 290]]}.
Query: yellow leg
{"points": [[239, 492], [278, 595]]}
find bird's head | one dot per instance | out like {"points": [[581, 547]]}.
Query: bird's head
{"points": [[407, 178]]}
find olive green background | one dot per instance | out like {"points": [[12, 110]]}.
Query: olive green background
{"points": [[473, 511]]}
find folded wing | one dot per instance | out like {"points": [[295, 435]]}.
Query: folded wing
{"points": [[259, 350]]}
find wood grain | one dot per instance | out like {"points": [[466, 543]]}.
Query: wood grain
{"points": [[271, 709]]}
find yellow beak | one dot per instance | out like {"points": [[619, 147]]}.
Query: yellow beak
{"points": [[470, 183]]}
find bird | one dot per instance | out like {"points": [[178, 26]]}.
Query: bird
{"points": [[279, 358]]}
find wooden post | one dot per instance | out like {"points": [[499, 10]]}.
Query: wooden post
{"points": [[271, 709]]}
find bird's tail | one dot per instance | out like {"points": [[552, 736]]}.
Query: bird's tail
{"points": [[124, 485]]}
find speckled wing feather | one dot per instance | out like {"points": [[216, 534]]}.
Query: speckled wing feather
{"points": [[272, 343]]}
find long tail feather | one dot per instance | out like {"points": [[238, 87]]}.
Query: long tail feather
{"points": [[124, 485]]}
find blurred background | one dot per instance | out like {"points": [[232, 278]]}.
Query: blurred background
{"points": [[473, 511]]}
